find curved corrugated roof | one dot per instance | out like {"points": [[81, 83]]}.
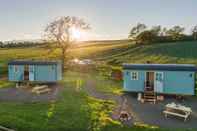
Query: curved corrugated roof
{"points": [[169, 67]]}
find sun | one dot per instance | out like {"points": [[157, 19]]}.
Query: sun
{"points": [[75, 33]]}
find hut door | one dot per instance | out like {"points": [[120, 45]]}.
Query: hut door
{"points": [[31, 73], [149, 83], [158, 82], [26, 72]]}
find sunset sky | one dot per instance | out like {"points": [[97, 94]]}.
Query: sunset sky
{"points": [[109, 19]]}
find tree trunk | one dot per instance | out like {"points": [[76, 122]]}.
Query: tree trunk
{"points": [[63, 59]]}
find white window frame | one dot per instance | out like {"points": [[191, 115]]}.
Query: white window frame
{"points": [[134, 75]]}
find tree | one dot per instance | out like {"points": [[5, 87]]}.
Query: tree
{"points": [[156, 30], [176, 32], [146, 37], [163, 31], [1, 44], [60, 32], [194, 32], [136, 30]]}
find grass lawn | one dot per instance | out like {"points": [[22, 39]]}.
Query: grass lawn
{"points": [[4, 84], [107, 85]]}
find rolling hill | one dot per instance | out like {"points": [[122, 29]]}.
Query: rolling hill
{"points": [[126, 52], [112, 52]]}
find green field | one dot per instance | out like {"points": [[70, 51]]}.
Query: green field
{"points": [[113, 52], [76, 110]]}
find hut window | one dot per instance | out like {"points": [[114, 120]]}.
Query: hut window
{"points": [[16, 69], [191, 75], [52, 67], [134, 75]]}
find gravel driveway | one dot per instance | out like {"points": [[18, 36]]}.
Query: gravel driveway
{"points": [[25, 95], [147, 113], [152, 113]]}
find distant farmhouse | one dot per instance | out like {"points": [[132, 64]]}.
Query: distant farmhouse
{"points": [[176, 79], [34, 71]]}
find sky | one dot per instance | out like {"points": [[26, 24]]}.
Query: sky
{"points": [[109, 19]]}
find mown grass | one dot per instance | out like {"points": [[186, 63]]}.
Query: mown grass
{"points": [[106, 85], [5, 83]]}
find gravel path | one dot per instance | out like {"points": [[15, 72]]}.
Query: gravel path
{"points": [[13, 94], [152, 113], [145, 113]]}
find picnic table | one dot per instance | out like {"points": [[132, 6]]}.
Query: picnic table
{"points": [[177, 110], [41, 89]]}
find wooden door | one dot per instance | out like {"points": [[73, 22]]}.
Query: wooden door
{"points": [[26, 72], [150, 80]]}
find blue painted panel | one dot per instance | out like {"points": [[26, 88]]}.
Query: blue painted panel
{"points": [[59, 72], [31, 73], [133, 85], [16, 72], [40, 73], [45, 73], [179, 82], [174, 82]]}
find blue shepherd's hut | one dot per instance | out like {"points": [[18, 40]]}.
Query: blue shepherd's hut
{"points": [[34, 71], [176, 79]]}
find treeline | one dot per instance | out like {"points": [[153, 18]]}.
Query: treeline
{"points": [[141, 34], [13, 44]]}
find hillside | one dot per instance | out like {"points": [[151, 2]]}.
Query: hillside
{"points": [[113, 52], [178, 52], [126, 52]]}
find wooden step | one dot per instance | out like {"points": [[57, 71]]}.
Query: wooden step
{"points": [[153, 97], [149, 95], [149, 92], [150, 100]]}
